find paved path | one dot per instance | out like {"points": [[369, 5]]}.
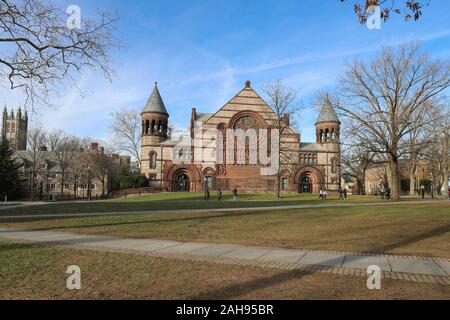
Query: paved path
{"points": [[246, 209], [420, 269]]}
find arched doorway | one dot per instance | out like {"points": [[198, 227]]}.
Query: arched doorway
{"points": [[305, 184], [181, 182]]}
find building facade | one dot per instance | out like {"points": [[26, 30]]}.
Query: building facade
{"points": [[41, 173], [200, 160], [15, 128]]}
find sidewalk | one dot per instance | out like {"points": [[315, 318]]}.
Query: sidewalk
{"points": [[410, 268]]}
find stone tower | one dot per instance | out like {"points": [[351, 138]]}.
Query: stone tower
{"points": [[15, 128], [328, 125], [154, 132], [328, 129]]}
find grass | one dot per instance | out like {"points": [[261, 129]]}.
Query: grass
{"points": [[177, 201], [410, 229], [38, 272]]}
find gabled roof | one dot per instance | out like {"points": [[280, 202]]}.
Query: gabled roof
{"points": [[327, 114], [155, 102]]}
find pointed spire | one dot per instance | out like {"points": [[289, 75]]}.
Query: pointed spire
{"points": [[327, 114], [155, 102]]}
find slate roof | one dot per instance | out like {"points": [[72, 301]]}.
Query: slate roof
{"points": [[155, 102], [327, 114]]}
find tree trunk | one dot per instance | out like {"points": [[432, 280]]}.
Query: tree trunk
{"points": [[412, 171], [62, 185], [394, 178], [32, 184], [445, 164]]}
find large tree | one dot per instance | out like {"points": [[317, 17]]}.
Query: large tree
{"points": [[64, 149], [283, 101], [36, 140], [385, 100], [9, 169], [41, 47], [126, 128]]}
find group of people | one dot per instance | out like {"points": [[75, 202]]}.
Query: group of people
{"points": [[219, 192], [323, 193]]}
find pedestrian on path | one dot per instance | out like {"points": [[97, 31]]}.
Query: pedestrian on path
{"points": [[345, 193], [235, 194], [321, 193], [325, 194], [219, 194], [341, 194]]}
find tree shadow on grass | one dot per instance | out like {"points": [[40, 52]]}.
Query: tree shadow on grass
{"points": [[242, 288], [141, 222]]}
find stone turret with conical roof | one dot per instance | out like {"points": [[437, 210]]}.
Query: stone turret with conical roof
{"points": [[328, 125], [155, 117], [155, 123]]}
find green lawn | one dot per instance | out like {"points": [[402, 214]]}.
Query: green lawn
{"points": [[38, 272], [177, 201], [419, 229]]}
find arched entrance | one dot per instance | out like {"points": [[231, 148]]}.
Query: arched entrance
{"points": [[305, 184], [181, 182]]}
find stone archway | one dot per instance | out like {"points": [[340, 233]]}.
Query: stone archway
{"points": [[309, 180], [183, 178], [181, 182]]}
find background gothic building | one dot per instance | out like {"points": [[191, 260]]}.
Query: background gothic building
{"points": [[174, 165], [15, 128]]}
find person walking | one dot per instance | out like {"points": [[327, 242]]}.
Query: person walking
{"points": [[321, 193], [345, 193], [341, 194], [219, 194], [325, 194], [382, 192], [235, 194], [422, 191]]}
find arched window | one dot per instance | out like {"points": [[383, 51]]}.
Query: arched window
{"points": [[152, 160]]}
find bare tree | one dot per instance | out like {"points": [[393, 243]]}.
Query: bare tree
{"points": [[385, 99], [41, 49], [36, 141], [101, 165], [126, 129], [410, 8], [355, 160], [64, 149], [283, 101]]}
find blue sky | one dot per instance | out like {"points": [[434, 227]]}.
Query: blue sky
{"points": [[202, 52]]}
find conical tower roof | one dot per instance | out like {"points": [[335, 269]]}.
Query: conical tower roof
{"points": [[155, 102], [327, 114]]}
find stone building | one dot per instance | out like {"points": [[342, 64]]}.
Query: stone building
{"points": [[377, 176], [15, 128], [83, 178], [191, 163]]}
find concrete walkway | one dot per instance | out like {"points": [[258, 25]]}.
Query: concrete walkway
{"points": [[419, 269], [243, 209]]}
